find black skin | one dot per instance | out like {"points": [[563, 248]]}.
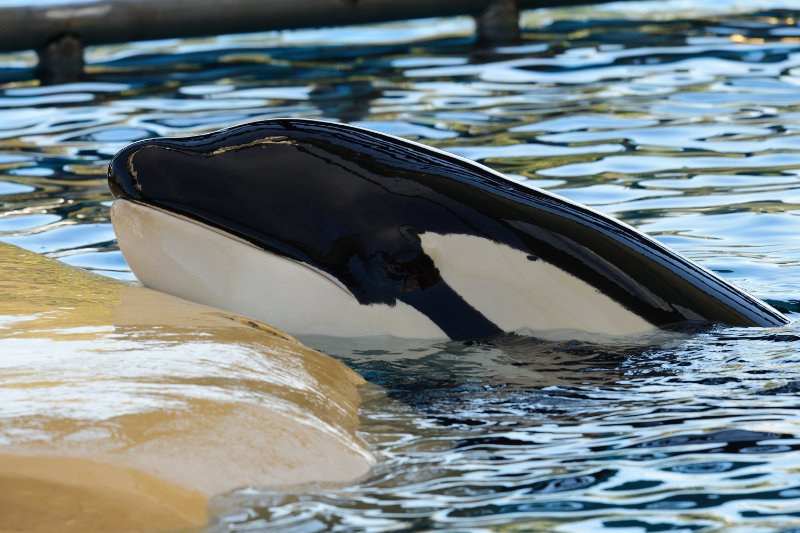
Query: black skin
{"points": [[353, 202]]}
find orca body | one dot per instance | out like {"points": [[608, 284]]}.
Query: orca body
{"points": [[325, 228]]}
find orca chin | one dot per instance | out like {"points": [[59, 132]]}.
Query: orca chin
{"points": [[324, 228]]}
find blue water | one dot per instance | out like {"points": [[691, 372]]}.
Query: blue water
{"points": [[683, 122]]}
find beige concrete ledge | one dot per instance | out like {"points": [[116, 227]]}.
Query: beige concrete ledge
{"points": [[70, 494], [126, 409]]}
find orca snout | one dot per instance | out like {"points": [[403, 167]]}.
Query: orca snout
{"points": [[122, 176], [169, 176]]}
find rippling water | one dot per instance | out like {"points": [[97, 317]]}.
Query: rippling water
{"points": [[684, 124]]}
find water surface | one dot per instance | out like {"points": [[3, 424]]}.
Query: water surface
{"points": [[681, 123]]}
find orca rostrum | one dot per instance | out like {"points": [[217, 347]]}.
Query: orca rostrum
{"points": [[325, 228]]}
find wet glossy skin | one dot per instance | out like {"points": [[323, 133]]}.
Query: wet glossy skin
{"points": [[353, 203]]}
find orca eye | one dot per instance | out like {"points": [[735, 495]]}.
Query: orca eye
{"points": [[395, 269], [415, 269]]}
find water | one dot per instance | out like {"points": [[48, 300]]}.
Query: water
{"points": [[683, 123]]}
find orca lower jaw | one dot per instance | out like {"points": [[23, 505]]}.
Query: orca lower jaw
{"points": [[187, 258]]}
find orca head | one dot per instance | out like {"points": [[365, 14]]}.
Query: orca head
{"points": [[325, 228]]}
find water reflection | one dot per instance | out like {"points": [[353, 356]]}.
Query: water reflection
{"points": [[543, 435], [683, 125]]}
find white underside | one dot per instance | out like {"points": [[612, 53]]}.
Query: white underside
{"points": [[516, 293], [182, 257]]}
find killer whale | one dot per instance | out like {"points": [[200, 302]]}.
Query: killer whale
{"points": [[325, 228]]}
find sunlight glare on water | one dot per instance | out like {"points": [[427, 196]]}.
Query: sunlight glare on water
{"points": [[681, 122]]}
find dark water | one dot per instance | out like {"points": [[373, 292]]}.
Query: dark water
{"points": [[683, 124]]}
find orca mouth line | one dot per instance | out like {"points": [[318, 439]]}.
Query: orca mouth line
{"points": [[237, 238], [353, 205], [446, 308]]}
